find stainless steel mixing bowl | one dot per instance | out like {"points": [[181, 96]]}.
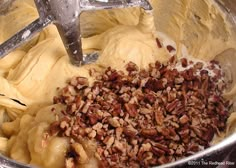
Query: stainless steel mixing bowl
{"points": [[214, 153]]}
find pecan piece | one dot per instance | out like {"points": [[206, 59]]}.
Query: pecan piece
{"points": [[184, 62], [54, 128], [119, 146], [163, 159], [109, 140], [93, 118], [159, 117], [157, 151], [171, 106], [114, 122], [82, 82], [119, 132], [184, 133], [155, 85], [184, 119], [198, 65], [179, 80], [197, 131], [145, 147], [116, 110], [149, 133], [131, 109], [130, 131], [170, 48], [131, 67], [158, 43], [208, 134]]}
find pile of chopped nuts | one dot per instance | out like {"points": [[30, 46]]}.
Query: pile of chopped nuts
{"points": [[144, 117]]}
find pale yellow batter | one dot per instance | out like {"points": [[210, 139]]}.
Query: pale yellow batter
{"points": [[32, 73]]}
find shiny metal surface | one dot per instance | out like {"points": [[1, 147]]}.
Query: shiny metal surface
{"points": [[23, 36], [229, 6], [65, 15], [8, 163], [109, 4]]}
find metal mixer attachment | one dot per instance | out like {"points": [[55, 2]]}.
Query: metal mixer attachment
{"points": [[65, 15]]}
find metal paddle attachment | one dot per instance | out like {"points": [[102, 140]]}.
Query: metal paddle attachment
{"points": [[65, 15]]}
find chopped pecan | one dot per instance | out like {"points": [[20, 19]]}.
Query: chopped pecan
{"points": [[93, 118], [130, 131], [180, 150], [54, 128], [198, 65], [114, 122], [149, 133], [131, 109], [145, 147], [109, 140], [155, 85], [184, 62], [197, 131], [119, 132], [64, 125], [116, 110], [170, 48], [92, 134], [208, 134], [159, 117], [163, 159], [144, 117], [179, 80], [171, 106], [157, 151], [82, 82], [131, 67], [184, 119], [158, 43], [184, 133]]}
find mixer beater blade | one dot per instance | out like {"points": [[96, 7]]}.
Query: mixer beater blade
{"points": [[65, 15]]}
